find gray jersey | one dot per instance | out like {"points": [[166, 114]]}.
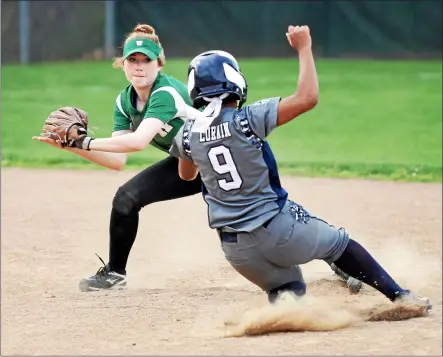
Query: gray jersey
{"points": [[239, 173]]}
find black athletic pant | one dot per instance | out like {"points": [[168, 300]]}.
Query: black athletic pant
{"points": [[156, 183]]}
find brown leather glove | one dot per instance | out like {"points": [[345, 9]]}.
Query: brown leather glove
{"points": [[69, 125]]}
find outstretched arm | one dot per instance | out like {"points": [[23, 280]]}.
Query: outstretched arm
{"points": [[306, 96], [110, 160], [135, 141]]}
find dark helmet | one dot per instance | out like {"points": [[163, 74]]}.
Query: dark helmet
{"points": [[213, 73]]}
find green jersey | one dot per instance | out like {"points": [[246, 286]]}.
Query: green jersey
{"points": [[166, 102]]}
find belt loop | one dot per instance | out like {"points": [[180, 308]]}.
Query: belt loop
{"points": [[228, 237]]}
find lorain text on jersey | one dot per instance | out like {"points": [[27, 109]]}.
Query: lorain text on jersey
{"points": [[216, 132]]}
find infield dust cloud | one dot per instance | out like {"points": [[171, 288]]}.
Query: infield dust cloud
{"points": [[306, 314], [410, 268], [314, 314]]}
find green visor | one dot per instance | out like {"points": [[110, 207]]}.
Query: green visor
{"points": [[142, 45]]}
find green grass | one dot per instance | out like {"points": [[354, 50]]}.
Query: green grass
{"points": [[375, 119]]}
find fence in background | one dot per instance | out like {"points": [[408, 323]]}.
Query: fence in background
{"points": [[58, 30], [257, 28], [37, 31]]}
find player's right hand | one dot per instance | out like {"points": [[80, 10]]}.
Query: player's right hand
{"points": [[299, 37], [52, 142]]}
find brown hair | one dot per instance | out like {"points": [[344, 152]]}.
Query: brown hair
{"points": [[145, 31]]}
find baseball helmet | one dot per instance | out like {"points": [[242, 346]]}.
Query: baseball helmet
{"points": [[213, 73]]}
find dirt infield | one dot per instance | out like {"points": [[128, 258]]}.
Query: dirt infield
{"points": [[180, 287]]}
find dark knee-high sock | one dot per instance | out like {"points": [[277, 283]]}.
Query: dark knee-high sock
{"points": [[358, 263], [122, 230]]}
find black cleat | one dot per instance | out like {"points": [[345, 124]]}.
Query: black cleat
{"points": [[104, 279]]}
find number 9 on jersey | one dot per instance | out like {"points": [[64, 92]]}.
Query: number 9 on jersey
{"points": [[223, 163]]}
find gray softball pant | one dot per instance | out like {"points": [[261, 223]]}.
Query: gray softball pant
{"points": [[270, 255]]}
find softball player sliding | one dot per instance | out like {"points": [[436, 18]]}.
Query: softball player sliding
{"points": [[264, 235]]}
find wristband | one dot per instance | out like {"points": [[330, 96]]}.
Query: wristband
{"points": [[86, 142]]}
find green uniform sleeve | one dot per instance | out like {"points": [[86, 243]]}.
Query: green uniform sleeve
{"points": [[121, 121], [162, 106]]}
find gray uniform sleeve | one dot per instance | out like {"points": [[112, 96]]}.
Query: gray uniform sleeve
{"points": [[262, 116], [176, 148]]}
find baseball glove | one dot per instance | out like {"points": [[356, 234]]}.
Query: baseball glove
{"points": [[69, 125]]}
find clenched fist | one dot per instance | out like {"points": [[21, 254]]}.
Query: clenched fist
{"points": [[299, 37]]}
